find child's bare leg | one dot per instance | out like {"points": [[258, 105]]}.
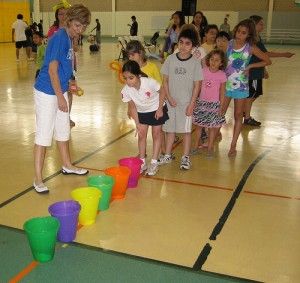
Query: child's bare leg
{"points": [[142, 137], [163, 143], [170, 141], [239, 106], [198, 131], [156, 136], [211, 139], [187, 141]]}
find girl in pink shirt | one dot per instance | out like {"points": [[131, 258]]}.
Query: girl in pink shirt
{"points": [[208, 112]]}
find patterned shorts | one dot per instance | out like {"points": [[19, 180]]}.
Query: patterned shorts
{"points": [[206, 114]]}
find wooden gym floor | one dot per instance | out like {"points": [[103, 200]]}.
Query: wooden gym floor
{"points": [[238, 217]]}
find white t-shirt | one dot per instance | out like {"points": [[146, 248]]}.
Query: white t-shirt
{"points": [[146, 99], [19, 26]]}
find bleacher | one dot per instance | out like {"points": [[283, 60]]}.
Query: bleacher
{"points": [[282, 36]]}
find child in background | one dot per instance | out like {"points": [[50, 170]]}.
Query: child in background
{"points": [[136, 52], [182, 75], [208, 112], [256, 75], [239, 51], [38, 40], [147, 108], [222, 41], [211, 33]]}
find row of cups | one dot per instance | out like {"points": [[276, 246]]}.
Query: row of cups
{"points": [[62, 225]]}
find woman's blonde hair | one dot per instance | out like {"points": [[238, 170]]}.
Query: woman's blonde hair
{"points": [[80, 13]]}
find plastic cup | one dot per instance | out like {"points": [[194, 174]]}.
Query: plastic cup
{"points": [[104, 184], [88, 198], [67, 214], [121, 176], [41, 234], [134, 164]]}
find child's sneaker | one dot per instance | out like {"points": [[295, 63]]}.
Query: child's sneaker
{"points": [[167, 158], [185, 163], [152, 169], [143, 167]]}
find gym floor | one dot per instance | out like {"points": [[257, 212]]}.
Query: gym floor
{"points": [[227, 219]]}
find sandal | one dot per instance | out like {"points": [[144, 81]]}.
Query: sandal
{"points": [[76, 171], [40, 188]]}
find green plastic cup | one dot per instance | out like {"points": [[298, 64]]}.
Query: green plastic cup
{"points": [[41, 234], [104, 184]]}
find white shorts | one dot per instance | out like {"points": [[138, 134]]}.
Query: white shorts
{"points": [[50, 121], [178, 121]]}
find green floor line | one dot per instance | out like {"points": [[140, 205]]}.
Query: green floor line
{"points": [[79, 264]]}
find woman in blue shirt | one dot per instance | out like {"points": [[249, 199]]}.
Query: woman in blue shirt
{"points": [[51, 95]]}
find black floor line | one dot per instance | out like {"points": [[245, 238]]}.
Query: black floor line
{"points": [[59, 172], [230, 205]]}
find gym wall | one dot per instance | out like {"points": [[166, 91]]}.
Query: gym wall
{"points": [[9, 10]]}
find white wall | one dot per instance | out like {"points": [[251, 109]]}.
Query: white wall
{"points": [[149, 22]]}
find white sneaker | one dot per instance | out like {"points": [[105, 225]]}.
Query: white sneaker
{"points": [[152, 169], [165, 159], [185, 163], [143, 168], [41, 188]]}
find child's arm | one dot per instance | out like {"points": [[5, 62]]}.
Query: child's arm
{"points": [[262, 56], [171, 100], [162, 97], [222, 97], [134, 115], [196, 91], [280, 54]]}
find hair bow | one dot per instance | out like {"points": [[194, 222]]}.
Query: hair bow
{"points": [[62, 4]]}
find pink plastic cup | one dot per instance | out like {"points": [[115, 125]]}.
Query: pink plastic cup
{"points": [[134, 164]]}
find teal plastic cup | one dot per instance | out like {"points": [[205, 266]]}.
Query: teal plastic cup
{"points": [[104, 184], [41, 234]]}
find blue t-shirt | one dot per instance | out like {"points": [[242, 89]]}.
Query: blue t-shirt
{"points": [[59, 49]]}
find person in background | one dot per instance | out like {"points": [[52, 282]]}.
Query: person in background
{"points": [[225, 26], [200, 22], [41, 28], [51, 96], [222, 41], [172, 34], [211, 33], [19, 37], [98, 32], [41, 48], [256, 75], [133, 27]]}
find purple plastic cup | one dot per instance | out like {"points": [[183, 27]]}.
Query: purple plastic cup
{"points": [[134, 164], [67, 214]]}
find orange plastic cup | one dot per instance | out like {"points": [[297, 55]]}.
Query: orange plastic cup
{"points": [[121, 175]]}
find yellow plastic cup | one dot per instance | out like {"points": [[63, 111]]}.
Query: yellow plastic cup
{"points": [[89, 198]]}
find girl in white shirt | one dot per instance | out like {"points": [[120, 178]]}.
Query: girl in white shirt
{"points": [[146, 103]]}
